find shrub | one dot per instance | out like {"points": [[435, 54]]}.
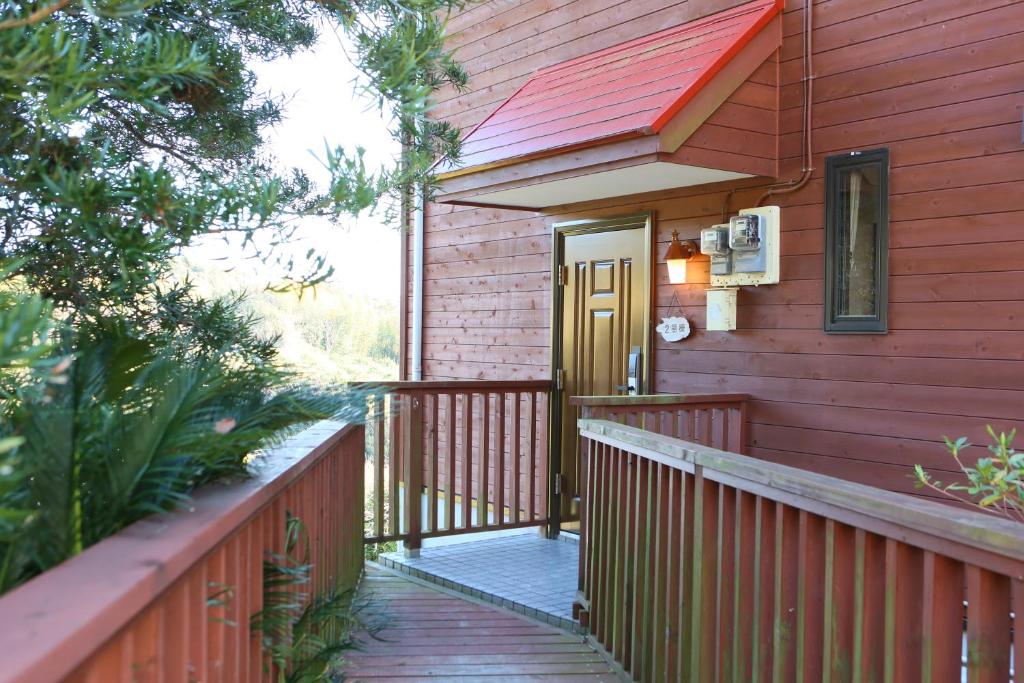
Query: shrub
{"points": [[994, 484]]}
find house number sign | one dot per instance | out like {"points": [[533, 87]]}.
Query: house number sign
{"points": [[674, 328]]}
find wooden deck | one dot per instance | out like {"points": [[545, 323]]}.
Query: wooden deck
{"points": [[421, 633]]}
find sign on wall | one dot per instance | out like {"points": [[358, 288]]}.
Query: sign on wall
{"points": [[674, 328]]}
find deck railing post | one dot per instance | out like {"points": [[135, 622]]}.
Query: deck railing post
{"points": [[554, 477], [412, 450]]}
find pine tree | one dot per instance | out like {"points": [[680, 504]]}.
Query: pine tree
{"points": [[132, 127], [128, 130]]}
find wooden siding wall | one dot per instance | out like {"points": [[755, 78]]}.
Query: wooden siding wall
{"points": [[939, 82], [741, 134]]}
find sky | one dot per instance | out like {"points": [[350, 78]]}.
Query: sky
{"points": [[322, 108]]}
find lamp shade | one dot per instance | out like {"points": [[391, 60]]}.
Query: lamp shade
{"points": [[676, 257]]}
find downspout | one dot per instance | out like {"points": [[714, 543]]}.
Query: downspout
{"points": [[417, 286], [805, 177]]}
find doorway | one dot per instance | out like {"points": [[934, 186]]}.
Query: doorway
{"points": [[601, 337]]}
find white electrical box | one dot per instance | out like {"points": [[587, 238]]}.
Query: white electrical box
{"points": [[744, 251], [721, 311]]}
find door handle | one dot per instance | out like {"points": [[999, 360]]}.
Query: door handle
{"points": [[634, 371]]}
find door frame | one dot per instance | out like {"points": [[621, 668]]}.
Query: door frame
{"points": [[559, 231]]}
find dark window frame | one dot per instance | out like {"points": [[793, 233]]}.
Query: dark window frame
{"points": [[840, 324]]}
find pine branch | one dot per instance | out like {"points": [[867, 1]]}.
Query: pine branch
{"points": [[35, 17]]}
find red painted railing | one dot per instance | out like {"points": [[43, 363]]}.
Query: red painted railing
{"points": [[474, 454], [704, 565], [716, 420], [170, 598]]}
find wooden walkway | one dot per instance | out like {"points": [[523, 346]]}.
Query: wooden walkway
{"points": [[423, 634]]}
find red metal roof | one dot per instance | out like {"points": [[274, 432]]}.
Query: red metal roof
{"points": [[628, 90]]}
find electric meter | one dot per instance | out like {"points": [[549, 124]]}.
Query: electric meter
{"points": [[714, 242], [745, 232], [750, 255]]}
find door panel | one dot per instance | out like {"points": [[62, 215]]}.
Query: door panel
{"points": [[604, 315]]}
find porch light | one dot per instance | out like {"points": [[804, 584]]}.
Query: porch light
{"points": [[676, 257]]}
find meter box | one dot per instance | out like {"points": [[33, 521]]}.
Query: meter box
{"points": [[714, 242], [744, 251], [721, 310]]}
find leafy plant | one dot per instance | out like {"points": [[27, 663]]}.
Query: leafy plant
{"points": [[303, 635], [131, 129], [25, 366], [994, 484], [137, 426]]}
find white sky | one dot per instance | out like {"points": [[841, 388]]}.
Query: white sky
{"points": [[322, 107]]}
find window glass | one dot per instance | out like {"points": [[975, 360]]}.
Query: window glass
{"points": [[856, 237]]}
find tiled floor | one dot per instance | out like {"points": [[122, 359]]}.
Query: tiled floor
{"points": [[522, 572]]}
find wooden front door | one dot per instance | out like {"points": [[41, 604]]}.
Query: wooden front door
{"points": [[604, 313]]}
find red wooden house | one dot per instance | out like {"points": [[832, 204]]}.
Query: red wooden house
{"points": [[770, 252], [889, 133]]}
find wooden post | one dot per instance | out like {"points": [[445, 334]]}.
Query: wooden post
{"points": [[412, 449]]}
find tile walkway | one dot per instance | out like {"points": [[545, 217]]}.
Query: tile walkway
{"points": [[523, 572]]}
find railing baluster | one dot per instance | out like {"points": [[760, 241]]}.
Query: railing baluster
{"points": [[394, 501], [630, 548], [1017, 601], [942, 618], [783, 650], [811, 552], [517, 451], [595, 543], [379, 426], [433, 460], [483, 494], [449, 491], [532, 487], [705, 554], [743, 579], [412, 462], [467, 460], [724, 581], [672, 644], [542, 459], [499, 464], [988, 626], [586, 516], [660, 600], [609, 533], [763, 591]]}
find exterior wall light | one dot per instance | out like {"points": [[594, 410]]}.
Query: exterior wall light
{"points": [[676, 257]]}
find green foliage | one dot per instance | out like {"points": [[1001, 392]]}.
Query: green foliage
{"points": [[327, 334], [25, 367], [131, 128], [137, 426], [303, 635], [994, 484]]}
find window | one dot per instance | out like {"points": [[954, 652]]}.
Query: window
{"points": [[857, 242]]}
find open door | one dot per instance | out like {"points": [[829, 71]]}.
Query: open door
{"points": [[601, 336]]}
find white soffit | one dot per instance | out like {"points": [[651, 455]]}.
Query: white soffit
{"points": [[659, 175]]}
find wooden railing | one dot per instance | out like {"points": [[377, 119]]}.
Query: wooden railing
{"points": [[170, 598], [716, 420], [469, 456], [703, 565]]}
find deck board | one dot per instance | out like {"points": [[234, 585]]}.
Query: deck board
{"points": [[417, 633]]}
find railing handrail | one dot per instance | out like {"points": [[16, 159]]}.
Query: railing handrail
{"points": [[656, 399], [64, 615], [917, 521], [462, 385]]}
